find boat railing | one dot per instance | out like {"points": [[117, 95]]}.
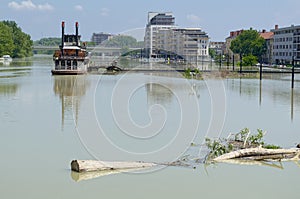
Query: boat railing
{"points": [[71, 57]]}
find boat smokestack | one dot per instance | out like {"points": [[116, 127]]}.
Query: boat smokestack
{"points": [[77, 40], [62, 37]]}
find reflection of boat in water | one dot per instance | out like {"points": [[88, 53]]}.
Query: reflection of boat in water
{"points": [[71, 58], [70, 90]]}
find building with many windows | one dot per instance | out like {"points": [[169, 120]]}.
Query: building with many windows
{"points": [[163, 38], [98, 38], [286, 44], [217, 46], [156, 22], [268, 36], [191, 44], [227, 51]]}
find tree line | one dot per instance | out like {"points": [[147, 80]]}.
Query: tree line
{"points": [[13, 41]]}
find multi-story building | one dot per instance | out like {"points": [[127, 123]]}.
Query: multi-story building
{"points": [[227, 51], [156, 22], [98, 38], [268, 36], [162, 35], [192, 44], [217, 46], [286, 46]]}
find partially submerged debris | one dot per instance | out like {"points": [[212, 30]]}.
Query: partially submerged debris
{"points": [[95, 165], [260, 153], [248, 147]]}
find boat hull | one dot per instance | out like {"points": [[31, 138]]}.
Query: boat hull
{"points": [[68, 72]]}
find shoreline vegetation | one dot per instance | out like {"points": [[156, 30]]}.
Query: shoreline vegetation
{"points": [[13, 41]]}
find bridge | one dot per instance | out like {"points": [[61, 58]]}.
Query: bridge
{"points": [[100, 50]]}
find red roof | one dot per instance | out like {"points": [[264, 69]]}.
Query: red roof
{"points": [[266, 35]]}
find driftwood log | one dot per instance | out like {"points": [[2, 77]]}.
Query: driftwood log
{"points": [[259, 154], [94, 165]]}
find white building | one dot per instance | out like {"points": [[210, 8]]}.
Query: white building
{"points": [[192, 44], [162, 34], [286, 46], [156, 22]]}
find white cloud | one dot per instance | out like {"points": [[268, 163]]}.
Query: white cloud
{"points": [[29, 5], [78, 8], [104, 11], [194, 19]]}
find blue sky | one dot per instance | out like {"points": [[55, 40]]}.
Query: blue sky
{"points": [[42, 18]]}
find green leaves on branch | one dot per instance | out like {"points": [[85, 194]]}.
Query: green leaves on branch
{"points": [[241, 140], [249, 42], [13, 41]]}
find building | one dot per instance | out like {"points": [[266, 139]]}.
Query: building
{"points": [[217, 46], [286, 46], [98, 38], [156, 22], [163, 38], [268, 36], [191, 44], [228, 40]]}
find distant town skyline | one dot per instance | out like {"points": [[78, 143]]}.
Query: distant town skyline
{"points": [[42, 18]]}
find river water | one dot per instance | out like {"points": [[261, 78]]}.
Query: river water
{"points": [[47, 121]]}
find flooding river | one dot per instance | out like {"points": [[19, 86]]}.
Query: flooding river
{"points": [[47, 121]]}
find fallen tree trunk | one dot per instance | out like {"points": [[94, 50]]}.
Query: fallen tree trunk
{"points": [[261, 154], [94, 165]]}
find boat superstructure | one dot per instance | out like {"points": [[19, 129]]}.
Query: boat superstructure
{"points": [[72, 57]]}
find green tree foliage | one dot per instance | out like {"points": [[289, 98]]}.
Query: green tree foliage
{"points": [[212, 52], [249, 43], [123, 41], [17, 43], [50, 41], [6, 40], [249, 60]]}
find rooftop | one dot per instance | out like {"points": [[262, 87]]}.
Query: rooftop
{"points": [[267, 35]]}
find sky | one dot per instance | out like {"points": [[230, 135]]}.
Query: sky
{"points": [[42, 18]]}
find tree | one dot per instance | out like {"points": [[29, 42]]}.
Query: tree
{"points": [[6, 40], [249, 43], [123, 41], [249, 60], [21, 45], [212, 52], [50, 41]]}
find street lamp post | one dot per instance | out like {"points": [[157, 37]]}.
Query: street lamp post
{"points": [[260, 69], [233, 62], [241, 63], [220, 60], [293, 71]]}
